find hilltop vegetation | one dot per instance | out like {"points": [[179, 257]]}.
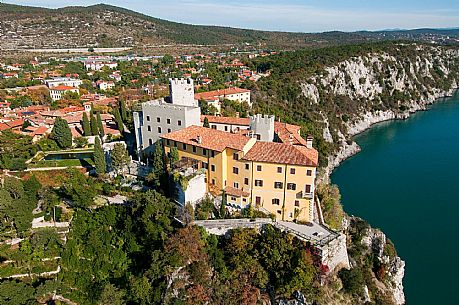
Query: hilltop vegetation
{"points": [[110, 26], [329, 90]]}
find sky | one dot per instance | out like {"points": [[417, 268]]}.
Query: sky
{"points": [[289, 15]]}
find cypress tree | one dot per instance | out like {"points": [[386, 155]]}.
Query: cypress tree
{"points": [[99, 158], [86, 126], [100, 126], [94, 127], [61, 133], [118, 120], [223, 206], [206, 123], [158, 163], [123, 111]]}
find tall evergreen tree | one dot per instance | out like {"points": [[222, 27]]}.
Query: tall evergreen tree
{"points": [[173, 156], [61, 133], [100, 126], [86, 125], [206, 123], [223, 206], [99, 158], [94, 127], [119, 157], [158, 163], [123, 110], [118, 120]]}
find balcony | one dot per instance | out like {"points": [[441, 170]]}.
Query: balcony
{"points": [[187, 167], [304, 195]]}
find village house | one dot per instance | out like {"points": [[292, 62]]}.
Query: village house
{"points": [[63, 81], [105, 85], [215, 97], [58, 92]]}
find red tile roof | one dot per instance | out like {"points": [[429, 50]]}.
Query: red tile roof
{"points": [[226, 120], [15, 123], [236, 192], [63, 88], [219, 93], [210, 138], [272, 152]]}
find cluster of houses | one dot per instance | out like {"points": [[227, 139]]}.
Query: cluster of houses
{"points": [[255, 161]]}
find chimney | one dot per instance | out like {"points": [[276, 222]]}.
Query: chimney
{"points": [[290, 139], [309, 141], [199, 139]]}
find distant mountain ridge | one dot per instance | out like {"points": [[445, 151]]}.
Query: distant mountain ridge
{"points": [[102, 25]]}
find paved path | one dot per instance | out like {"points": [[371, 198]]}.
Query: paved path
{"points": [[313, 232]]}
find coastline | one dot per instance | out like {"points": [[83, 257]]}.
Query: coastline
{"points": [[367, 120]]}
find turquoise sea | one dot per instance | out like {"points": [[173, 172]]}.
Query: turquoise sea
{"points": [[405, 181]]}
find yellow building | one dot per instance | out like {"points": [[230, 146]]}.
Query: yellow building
{"points": [[277, 178]]}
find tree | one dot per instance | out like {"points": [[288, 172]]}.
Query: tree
{"points": [[223, 206], [61, 133], [86, 126], [100, 126], [173, 156], [94, 126], [123, 110], [99, 158], [119, 157], [81, 142], [206, 123], [112, 296], [158, 163], [118, 120], [79, 188]]}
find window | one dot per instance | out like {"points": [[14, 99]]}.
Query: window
{"points": [[148, 118], [309, 172], [194, 149], [233, 198], [149, 128], [205, 165], [307, 189], [297, 203], [175, 143], [235, 156], [212, 167], [292, 171], [278, 185], [291, 186], [212, 153], [276, 201], [159, 130], [214, 126], [184, 146], [258, 168], [247, 166], [258, 182], [290, 215], [226, 128], [204, 152], [258, 200], [236, 185], [235, 170], [279, 212], [169, 130], [168, 142], [179, 122], [158, 119], [244, 199], [213, 181], [168, 121], [279, 169], [150, 141], [246, 181]]}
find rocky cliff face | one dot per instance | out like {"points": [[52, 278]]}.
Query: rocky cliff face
{"points": [[368, 89]]}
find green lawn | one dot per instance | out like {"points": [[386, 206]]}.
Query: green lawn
{"points": [[62, 163]]}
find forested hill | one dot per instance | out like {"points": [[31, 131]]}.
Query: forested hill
{"points": [[109, 26], [336, 92]]}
